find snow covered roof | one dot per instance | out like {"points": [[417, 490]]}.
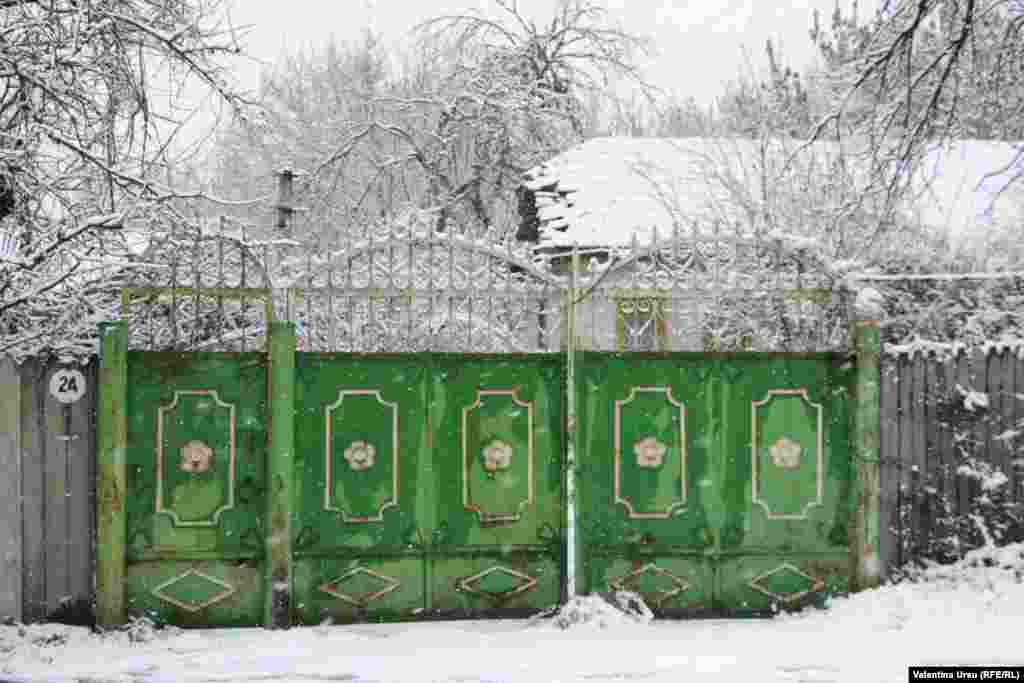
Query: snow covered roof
{"points": [[607, 190]]}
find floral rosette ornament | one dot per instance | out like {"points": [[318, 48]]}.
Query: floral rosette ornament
{"points": [[785, 453], [195, 457], [649, 452], [497, 456], [359, 456]]}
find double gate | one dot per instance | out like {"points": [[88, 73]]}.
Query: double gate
{"points": [[421, 487], [432, 485], [716, 484]]}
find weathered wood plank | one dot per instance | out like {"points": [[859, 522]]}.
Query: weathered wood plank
{"points": [[80, 529], [1017, 464], [56, 463], [994, 417], [10, 491], [980, 416], [962, 436], [906, 390], [1004, 433], [890, 473], [1009, 415], [33, 486], [931, 469], [917, 441], [947, 447]]}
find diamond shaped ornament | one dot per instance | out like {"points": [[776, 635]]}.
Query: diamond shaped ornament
{"points": [[759, 583], [473, 584], [383, 584], [676, 584], [194, 591]]}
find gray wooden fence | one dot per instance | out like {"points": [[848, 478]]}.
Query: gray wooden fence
{"points": [[47, 465], [932, 425]]}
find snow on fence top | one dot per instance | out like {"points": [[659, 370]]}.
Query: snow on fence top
{"points": [[926, 347]]}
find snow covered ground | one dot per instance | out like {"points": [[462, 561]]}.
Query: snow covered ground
{"points": [[966, 614]]}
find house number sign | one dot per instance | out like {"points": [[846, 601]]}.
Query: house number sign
{"points": [[67, 385]]}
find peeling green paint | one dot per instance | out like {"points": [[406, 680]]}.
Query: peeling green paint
{"points": [[740, 545], [112, 475], [400, 487], [204, 524], [867, 439], [425, 526], [280, 471]]}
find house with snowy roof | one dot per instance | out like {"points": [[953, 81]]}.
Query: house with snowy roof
{"points": [[617, 194]]}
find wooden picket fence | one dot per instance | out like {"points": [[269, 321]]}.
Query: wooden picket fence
{"points": [[47, 466], [47, 489], [936, 412]]}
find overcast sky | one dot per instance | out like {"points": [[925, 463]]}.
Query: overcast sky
{"points": [[699, 43]]}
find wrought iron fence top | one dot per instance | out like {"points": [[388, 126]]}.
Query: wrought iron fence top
{"points": [[414, 288]]}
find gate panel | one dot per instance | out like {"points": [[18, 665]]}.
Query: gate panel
{"points": [[360, 495], [670, 584], [763, 445], [497, 453], [196, 478], [647, 489], [788, 494]]}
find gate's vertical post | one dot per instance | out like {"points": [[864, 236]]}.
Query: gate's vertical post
{"points": [[571, 441], [866, 450], [280, 472], [111, 474]]}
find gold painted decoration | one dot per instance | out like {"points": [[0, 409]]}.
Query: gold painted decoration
{"points": [[194, 591], [196, 457], [675, 584], [497, 486], [384, 585], [472, 584], [785, 453], [200, 486], [649, 452], [812, 583], [359, 455], [365, 483], [785, 483], [497, 456]]}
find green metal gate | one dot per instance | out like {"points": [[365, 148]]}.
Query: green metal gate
{"points": [[427, 486], [196, 459], [715, 484], [423, 486], [431, 485]]}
